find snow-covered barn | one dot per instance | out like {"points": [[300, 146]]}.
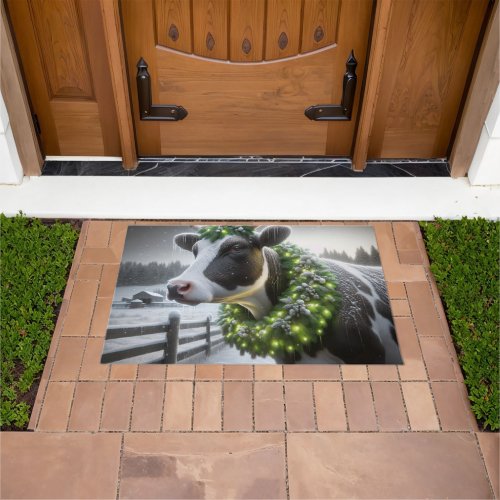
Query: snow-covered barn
{"points": [[148, 297]]}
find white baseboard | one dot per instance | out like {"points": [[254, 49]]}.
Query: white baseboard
{"points": [[255, 198]]}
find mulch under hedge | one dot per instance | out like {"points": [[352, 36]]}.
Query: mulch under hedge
{"points": [[464, 258]]}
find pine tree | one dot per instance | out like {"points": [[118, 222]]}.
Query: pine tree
{"points": [[374, 256], [362, 256], [137, 273]]}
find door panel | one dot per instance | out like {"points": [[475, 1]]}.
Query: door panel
{"points": [[59, 31], [78, 126], [319, 26], [235, 117], [173, 24], [429, 54], [247, 31], [283, 28], [252, 69], [61, 44], [210, 28]]}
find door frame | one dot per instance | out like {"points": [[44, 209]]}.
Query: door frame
{"points": [[484, 84], [118, 68], [463, 150], [16, 101]]}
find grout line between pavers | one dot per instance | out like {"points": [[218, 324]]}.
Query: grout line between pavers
{"points": [[76, 382], [284, 403], [266, 381], [99, 427], [192, 405], [287, 481], [253, 398], [408, 426], [483, 461], [222, 399], [163, 403], [315, 415], [375, 412], [119, 478], [265, 431], [95, 305], [396, 333], [394, 242], [110, 230], [344, 401], [132, 405], [106, 386]]}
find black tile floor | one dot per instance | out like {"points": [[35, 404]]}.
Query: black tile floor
{"points": [[251, 166]]}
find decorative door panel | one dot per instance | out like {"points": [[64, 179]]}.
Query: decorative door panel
{"points": [[245, 71], [62, 49], [430, 52]]}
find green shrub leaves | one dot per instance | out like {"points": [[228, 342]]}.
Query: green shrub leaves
{"points": [[465, 262], [34, 262]]}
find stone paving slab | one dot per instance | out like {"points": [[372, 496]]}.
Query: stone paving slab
{"points": [[49, 465], [203, 466], [349, 426], [388, 465]]}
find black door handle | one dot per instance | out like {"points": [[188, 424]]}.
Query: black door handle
{"points": [[148, 110], [342, 111]]}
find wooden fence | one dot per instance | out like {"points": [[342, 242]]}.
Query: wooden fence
{"points": [[169, 346]]}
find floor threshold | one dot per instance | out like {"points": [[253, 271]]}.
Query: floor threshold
{"points": [[249, 166]]}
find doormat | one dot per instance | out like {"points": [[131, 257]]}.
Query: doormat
{"points": [[251, 295]]}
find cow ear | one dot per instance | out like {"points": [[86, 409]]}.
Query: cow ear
{"points": [[186, 240], [274, 235]]}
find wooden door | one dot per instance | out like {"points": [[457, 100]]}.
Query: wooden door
{"points": [[245, 71], [63, 54]]}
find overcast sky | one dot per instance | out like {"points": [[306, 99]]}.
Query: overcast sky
{"points": [[155, 243]]}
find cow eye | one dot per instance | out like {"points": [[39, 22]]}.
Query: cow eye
{"points": [[232, 249], [237, 247]]}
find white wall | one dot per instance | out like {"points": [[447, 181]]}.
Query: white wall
{"points": [[11, 171], [485, 168]]}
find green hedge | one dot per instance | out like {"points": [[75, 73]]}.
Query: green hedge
{"points": [[34, 260], [464, 258]]}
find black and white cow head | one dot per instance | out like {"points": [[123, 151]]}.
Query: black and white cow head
{"points": [[233, 269]]}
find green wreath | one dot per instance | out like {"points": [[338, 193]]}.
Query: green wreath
{"points": [[214, 233], [301, 315]]}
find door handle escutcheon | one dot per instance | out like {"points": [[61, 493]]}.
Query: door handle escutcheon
{"points": [[148, 110], [342, 111]]}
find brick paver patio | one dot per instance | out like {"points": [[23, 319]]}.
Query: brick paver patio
{"points": [[185, 431]]}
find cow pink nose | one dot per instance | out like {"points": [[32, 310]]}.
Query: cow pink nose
{"points": [[183, 287]]}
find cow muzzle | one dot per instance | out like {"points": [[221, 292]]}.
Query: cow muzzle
{"points": [[187, 291], [178, 290]]}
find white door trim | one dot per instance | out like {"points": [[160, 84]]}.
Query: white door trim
{"points": [[11, 170]]}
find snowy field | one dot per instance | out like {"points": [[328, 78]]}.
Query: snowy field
{"points": [[153, 315]]}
